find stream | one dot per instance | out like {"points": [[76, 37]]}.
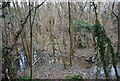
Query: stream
{"points": [[48, 60]]}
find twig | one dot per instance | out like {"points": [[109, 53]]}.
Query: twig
{"points": [[36, 60]]}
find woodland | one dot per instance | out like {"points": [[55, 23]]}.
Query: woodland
{"points": [[59, 40]]}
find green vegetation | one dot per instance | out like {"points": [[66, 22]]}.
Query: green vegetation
{"points": [[82, 29], [25, 77], [83, 26], [105, 48], [74, 77]]}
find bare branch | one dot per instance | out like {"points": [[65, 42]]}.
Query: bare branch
{"points": [[22, 27], [82, 8], [113, 11]]}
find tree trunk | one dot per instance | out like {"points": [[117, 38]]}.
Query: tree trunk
{"points": [[118, 49], [31, 54], [99, 14], [71, 34]]}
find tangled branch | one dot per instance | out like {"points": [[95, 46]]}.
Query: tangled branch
{"points": [[21, 29]]}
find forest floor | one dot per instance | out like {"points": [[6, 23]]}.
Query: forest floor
{"points": [[57, 67]]}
